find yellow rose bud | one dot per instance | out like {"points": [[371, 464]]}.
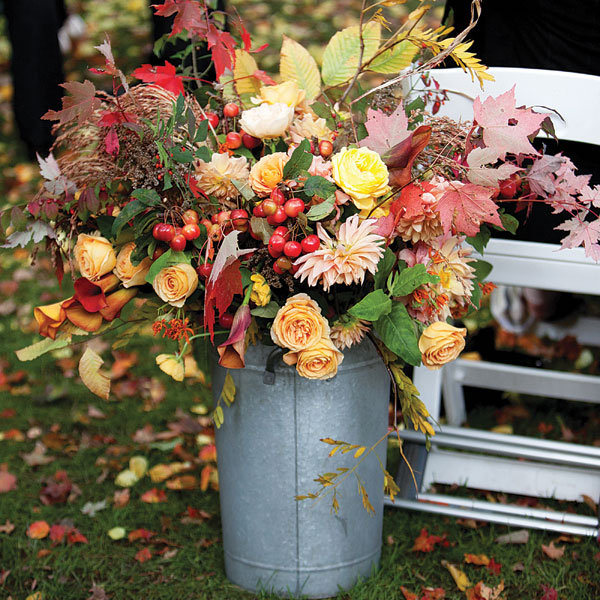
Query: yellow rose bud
{"points": [[129, 274], [261, 292], [320, 361], [267, 173], [94, 256], [176, 284], [171, 365], [299, 324], [287, 92], [441, 343], [362, 174]]}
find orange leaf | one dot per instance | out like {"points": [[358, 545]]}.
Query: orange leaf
{"points": [[408, 595], [140, 534], [38, 530], [426, 542], [74, 536], [57, 532], [208, 453], [553, 552], [143, 555], [477, 559], [154, 496], [184, 482], [433, 594]]}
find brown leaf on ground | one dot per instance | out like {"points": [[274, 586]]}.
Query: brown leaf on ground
{"points": [[551, 551], [483, 592], [123, 363], [4, 576], [183, 482], [518, 567], [569, 539], [121, 498], [468, 523], [97, 593], [7, 528], [56, 490], [433, 593], [521, 536], [8, 481], [426, 542], [145, 435]]}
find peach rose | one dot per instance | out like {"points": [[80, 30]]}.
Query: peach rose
{"points": [[299, 324], [129, 274], [287, 93], [176, 284], [320, 361], [94, 255], [267, 173], [441, 343]]}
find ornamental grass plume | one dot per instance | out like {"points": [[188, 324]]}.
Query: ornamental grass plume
{"points": [[344, 259]]}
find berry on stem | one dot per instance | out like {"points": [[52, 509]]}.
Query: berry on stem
{"points": [[231, 109]]}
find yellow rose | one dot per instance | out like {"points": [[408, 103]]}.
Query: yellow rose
{"points": [[441, 343], [176, 284], [320, 361], [267, 173], [128, 274], [287, 92], [94, 255], [362, 174], [261, 292], [299, 324]]}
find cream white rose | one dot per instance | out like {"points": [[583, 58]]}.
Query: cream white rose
{"points": [[267, 120]]}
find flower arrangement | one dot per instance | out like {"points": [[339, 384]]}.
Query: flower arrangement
{"points": [[311, 213]]}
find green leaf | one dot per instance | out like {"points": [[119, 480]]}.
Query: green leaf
{"points": [[395, 59], [410, 279], [261, 228], [147, 197], [509, 222], [482, 269], [372, 306], [320, 211], [384, 268], [182, 156], [244, 189], [201, 132], [479, 241], [319, 186], [300, 160], [41, 347], [397, 332], [130, 210], [168, 259], [266, 312], [203, 153], [340, 59]]}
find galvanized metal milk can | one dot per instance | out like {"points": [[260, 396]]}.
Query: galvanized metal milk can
{"points": [[269, 452]]}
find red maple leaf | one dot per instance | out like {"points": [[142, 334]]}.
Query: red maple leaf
{"points": [[426, 542], [582, 232], [189, 15], [79, 105], [506, 128], [74, 536], [110, 118], [111, 142], [463, 209], [165, 77], [140, 534], [143, 555], [262, 76], [222, 47], [408, 595], [220, 293], [385, 131], [58, 532], [494, 567], [549, 593]]}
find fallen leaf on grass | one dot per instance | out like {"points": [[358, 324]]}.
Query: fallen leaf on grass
{"points": [[477, 559], [38, 530], [12, 434], [460, 578], [4, 575], [168, 553], [7, 528], [95, 413], [161, 472], [57, 490], [433, 593], [553, 552], [184, 482], [117, 533], [74, 536], [8, 481], [520, 536], [143, 555], [426, 542], [35, 596], [58, 532], [484, 592], [154, 496], [91, 508], [549, 593], [494, 567], [121, 498], [408, 595], [208, 453], [518, 567], [469, 523], [37, 456], [98, 593], [140, 534], [570, 539]]}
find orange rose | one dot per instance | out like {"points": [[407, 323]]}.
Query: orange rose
{"points": [[320, 361], [129, 274], [267, 173], [94, 255], [49, 318], [176, 284], [441, 343], [299, 324]]}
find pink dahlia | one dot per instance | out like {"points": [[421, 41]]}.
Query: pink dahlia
{"points": [[346, 258], [348, 331]]}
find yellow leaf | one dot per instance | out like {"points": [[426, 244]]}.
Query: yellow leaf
{"points": [[117, 533], [477, 559], [89, 371], [218, 417], [507, 429], [126, 478], [35, 596], [41, 347], [138, 465], [419, 13], [245, 83], [171, 365], [228, 391], [340, 59], [191, 369], [460, 578], [296, 64], [395, 59], [199, 409], [359, 452]]}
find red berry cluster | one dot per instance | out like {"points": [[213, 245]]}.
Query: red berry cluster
{"points": [[178, 237], [277, 209], [285, 250]]}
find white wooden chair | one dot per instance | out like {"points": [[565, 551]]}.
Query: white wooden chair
{"points": [[508, 463]]}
